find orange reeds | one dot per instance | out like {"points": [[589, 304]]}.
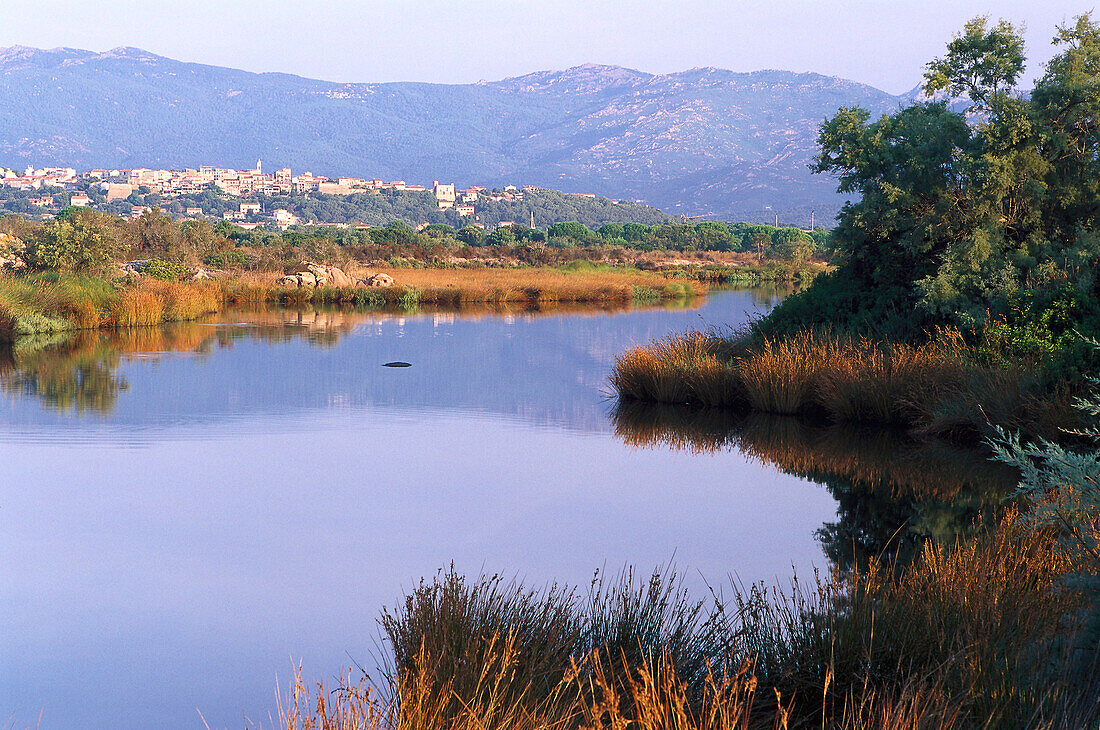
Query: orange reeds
{"points": [[938, 387]]}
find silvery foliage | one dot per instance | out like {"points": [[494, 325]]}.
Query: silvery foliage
{"points": [[1062, 486]]}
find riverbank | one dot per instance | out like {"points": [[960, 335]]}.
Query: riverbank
{"points": [[46, 303], [940, 388]]}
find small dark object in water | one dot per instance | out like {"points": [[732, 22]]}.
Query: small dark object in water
{"points": [[397, 364]]}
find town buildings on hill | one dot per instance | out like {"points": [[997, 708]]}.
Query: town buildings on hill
{"points": [[119, 185]]}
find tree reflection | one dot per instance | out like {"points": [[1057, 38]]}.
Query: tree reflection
{"points": [[893, 492]]}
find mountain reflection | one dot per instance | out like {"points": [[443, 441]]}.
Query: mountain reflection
{"points": [[893, 491]]}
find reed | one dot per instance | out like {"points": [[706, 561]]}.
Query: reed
{"points": [[688, 368], [986, 634], [937, 388]]}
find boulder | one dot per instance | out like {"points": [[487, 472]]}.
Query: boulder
{"points": [[290, 281], [377, 280], [12, 251], [306, 278], [330, 275], [202, 275]]}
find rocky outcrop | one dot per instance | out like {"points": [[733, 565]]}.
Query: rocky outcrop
{"points": [[131, 269], [317, 276], [376, 280], [12, 251]]}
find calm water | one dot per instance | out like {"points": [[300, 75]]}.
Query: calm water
{"points": [[186, 514]]}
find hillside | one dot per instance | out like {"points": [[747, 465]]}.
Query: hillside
{"points": [[699, 141]]}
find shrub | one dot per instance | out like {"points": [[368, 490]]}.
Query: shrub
{"points": [[163, 270], [77, 244]]}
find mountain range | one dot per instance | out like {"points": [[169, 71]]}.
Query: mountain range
{"points": [[705, 141]]}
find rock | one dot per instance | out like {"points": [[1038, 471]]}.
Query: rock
{"points": [[306, 278], [330, 275], [378, 280], [291, 281], [201, 275], [11, 253]]}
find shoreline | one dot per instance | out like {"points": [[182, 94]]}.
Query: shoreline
{"points": [[49, 303]]}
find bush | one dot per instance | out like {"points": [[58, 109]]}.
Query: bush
{"points": [[226, 259], [81, 243], [164, 270]]}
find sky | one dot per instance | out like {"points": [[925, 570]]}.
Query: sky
{"points": [[884, 43]]}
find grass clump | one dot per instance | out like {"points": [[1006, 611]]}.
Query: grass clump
{"points": [[938, 388], [985, 634]]}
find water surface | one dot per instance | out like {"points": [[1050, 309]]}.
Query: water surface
{"points": [[187, 513]]}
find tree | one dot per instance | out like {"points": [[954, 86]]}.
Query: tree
{"points": [[967, 222], [570, 229], [77, 241], [154, 234], [471, 235], [981, 62]]}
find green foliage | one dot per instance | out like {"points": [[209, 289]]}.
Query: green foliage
{"points": [[980, 63], [1062, 488], [990, 226], [163, 270], [408, 298], [79, 242], [570, 229], [225, 259]]}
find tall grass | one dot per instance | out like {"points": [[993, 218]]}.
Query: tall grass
{"points": [[936, 388], [986, 634], [455, 287]]}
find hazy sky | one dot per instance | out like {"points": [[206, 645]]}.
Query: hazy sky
{"points": [[880, 42]]}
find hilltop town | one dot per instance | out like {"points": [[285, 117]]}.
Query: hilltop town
{"points": [[252, 198]]}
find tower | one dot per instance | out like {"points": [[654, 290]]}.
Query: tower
{"points": [[259, 167]]}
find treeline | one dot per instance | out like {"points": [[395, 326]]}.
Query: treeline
{"points": [[84, 239], [376, 209]]}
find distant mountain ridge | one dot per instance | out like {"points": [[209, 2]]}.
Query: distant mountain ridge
{"points": [[705, 140]]}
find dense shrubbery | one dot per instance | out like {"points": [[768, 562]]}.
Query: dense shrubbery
{"points": [[990, 224]]}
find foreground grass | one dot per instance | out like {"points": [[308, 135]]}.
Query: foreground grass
{"points": [[983, 635], [938, 388]]}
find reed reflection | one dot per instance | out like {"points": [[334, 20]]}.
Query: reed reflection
{"points": [[78, 372], [893, 491]]}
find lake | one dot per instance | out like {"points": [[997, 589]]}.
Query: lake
{"points": [[188, 513]]}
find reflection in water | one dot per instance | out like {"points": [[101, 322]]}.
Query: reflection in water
{"points": [[893, 491], [68, 374], [78, 372]]}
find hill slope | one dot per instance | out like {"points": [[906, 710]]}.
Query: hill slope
{"points": [[705, 140]]}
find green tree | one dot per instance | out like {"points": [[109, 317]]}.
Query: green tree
{"points": [[981, 62], [77, 241]]}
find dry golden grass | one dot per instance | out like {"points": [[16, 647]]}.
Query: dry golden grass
{"points": [[455, 287], [529, 285], [688, 368], [937, 388], [984, 635], [600, 693]]}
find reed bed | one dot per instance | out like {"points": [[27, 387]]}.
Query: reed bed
{"points": [[455, 287], [46, 303], [937, 389], [986, 634]]}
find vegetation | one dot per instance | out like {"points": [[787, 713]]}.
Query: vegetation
{"points": [[568, 262], [991, 226], [966, 272], [950, 641], [939, 388]]}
